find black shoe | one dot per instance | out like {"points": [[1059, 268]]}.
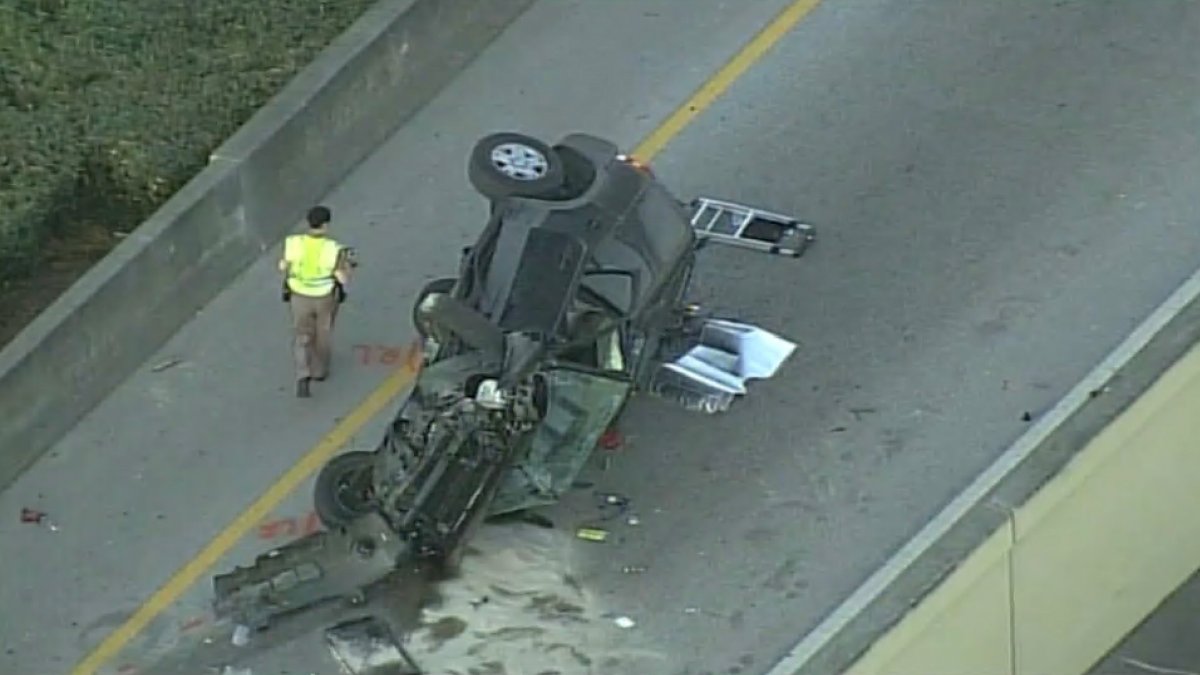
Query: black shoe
{"points": [[302, 388], [321, 378]]}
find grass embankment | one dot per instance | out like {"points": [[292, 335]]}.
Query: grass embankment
{"points": [[107, 107]]}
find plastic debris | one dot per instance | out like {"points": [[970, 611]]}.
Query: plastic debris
{"points": [[633, 520], [35, 517], [611, 440], [624, 622], [633, 569], [614, 499], [712, 373], [241, 635], [592, 534], [611, 504]]}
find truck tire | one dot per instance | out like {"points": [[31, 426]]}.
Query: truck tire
{"points": [[339, 493], [443, 285], [508, 164]]}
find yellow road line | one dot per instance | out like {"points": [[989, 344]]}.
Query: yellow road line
{"points": [[182, 580], [716, 85], [178, 584]]}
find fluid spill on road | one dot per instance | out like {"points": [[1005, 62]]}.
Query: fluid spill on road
{"points": [[517, 608]]}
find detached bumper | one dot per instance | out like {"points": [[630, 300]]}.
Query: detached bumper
{"points": [[324, 566]]}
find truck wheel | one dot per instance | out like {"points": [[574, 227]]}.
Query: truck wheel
{"points": [[342, 490], [444, 285], [509, 164]]}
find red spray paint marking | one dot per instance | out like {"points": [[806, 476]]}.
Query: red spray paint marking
{"points": [[192, 624], [386, 355], [289, 527]]}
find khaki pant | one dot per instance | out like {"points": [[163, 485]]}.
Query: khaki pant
{"points": [[312, 327]]}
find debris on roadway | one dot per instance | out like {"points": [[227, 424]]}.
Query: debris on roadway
{"points": [[241, 636], [573, 298], [35, 517], [592, 533]]}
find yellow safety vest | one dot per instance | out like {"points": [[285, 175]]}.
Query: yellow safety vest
{"points": [[313, 260]]}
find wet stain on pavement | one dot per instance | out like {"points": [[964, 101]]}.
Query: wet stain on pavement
{"points": [[798, 589], [106, 622], [551, 607], [519, 604], [894, 442], [447, 628], [991, 328], [489, 668], [760, 535], [792, 505], [737, 619], [579, 657], [163, 632], [743, 663], [512, 633], [778, 581]]}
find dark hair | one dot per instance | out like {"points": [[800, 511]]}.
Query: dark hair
{"points": [[318, 216]]}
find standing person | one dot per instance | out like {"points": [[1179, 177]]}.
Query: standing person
{"points": [[316, 270]]}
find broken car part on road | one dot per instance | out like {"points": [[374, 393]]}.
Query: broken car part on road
{"points": [[571, 300]]}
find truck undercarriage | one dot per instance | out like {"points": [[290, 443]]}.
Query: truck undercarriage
{"points": [[572, 299]]}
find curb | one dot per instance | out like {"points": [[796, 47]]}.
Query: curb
{"points": [[950, 537]]}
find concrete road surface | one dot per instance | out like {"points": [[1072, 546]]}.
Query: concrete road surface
{"points": [[1003, 190], [1164, 643]]}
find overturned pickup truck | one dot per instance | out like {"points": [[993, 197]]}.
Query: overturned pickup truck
{"points": [[572, 299]]}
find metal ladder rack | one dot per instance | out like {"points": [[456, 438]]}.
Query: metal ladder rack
{"points": [[748, 227]]}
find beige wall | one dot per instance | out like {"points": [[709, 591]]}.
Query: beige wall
{"points": [[1080, 564]]}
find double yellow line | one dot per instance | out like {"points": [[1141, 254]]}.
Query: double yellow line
{"points": [[395, 383]]}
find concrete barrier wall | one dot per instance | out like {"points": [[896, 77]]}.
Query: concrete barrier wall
{"points": [[1077, 566], [258, 184], [1044, 561]]}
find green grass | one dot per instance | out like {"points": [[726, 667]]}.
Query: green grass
{"points": [[107, 107]]}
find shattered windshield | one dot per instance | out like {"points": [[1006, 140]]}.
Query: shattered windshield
{"points": [[581, 405]]}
